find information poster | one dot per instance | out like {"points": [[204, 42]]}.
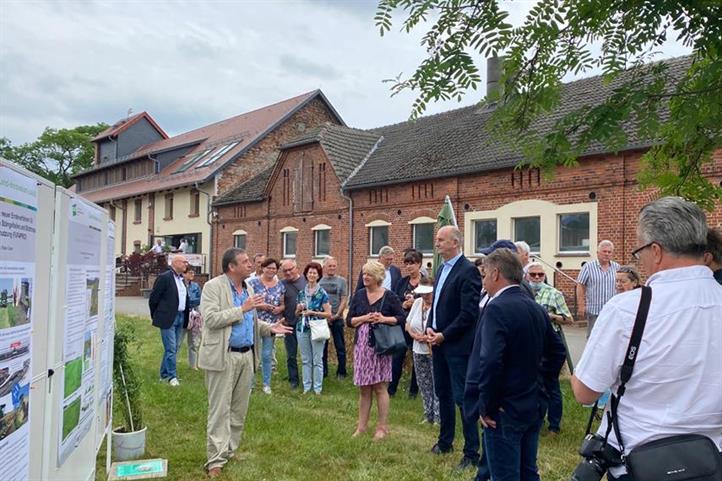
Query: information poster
{"points": [[106, 348], [18, 209], [82, 294]]}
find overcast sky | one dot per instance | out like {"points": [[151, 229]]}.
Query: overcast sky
{"points": [[67, 63]]}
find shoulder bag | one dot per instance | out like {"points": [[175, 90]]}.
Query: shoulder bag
{"points": [[387, 339], [319, 327], [683, 457]]}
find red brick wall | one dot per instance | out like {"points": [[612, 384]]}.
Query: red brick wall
{"points": [[265, 153]]}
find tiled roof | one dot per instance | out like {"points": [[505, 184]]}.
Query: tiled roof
{"points": [[457, 142], [345, 148], [247, 129], [123, 124]]}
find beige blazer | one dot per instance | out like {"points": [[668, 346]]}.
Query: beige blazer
{"points": [[219, 314]]}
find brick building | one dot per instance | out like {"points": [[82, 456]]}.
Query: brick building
{"points": [[161, 187], [387, 185]]}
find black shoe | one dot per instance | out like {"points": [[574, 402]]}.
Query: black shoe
{"points": [[412, 395], [438, 450], [340, 376], [467, 462], [294, 386]]}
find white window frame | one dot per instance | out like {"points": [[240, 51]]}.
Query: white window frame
{"points": [[473, 227], [316, 229], [239, 233], [371, 226], [284, 235], [422, 221], [559, 233]]}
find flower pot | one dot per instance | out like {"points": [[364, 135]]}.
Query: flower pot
{"points": [[128, 446]]}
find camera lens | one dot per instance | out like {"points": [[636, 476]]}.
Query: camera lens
{"points": [[588, 470]]}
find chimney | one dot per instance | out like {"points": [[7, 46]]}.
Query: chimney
{"points": [[493, 75]]}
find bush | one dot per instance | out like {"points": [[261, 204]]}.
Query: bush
{"points": [[125, 380]]}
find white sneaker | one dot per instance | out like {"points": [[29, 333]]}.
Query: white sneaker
{"points": [[267, 389], [174, 382]]}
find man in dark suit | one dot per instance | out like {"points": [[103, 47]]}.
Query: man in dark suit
{"points": [[169, 308], [515, 350], [450, 330], [393, 273]]}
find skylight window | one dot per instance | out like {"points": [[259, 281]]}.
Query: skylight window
{"points": [[189, 163], [219, 152]]}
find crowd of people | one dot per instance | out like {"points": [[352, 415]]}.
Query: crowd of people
{"points": [[486, 339]]}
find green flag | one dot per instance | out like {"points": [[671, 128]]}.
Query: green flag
{"points": [[446, 217]]}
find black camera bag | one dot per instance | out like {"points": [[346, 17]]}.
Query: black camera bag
{"points": [[684, 457]]}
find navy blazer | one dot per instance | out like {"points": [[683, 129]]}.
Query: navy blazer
{"points": [[163, 301], [515, 350], [458, 308], [395, 276]]}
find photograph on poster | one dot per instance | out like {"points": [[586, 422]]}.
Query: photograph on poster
{"points": [[14, 409], [13, 349], [93, 286], [88, 351], [15, 295], [71, 417], [73, 376]]}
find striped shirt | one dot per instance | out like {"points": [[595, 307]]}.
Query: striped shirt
{"points": [[600, 284]]}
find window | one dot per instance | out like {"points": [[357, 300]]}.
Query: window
{"points": [[219, 152], [239, 240], [423, 237], [378, 237], [484, 234], [168, 207], [574, 232], [289, 243], [192, 160], [528, 229], [138, 211], [136, 247], [195, 203], [322, 243]]}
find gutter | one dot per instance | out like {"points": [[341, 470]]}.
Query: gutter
{"points": [[209, 214]]}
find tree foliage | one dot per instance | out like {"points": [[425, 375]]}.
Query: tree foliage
{"points": [[57, 154], [680, 114]]}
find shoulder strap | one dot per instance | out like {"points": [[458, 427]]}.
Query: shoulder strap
{"points": [[628, 365]]}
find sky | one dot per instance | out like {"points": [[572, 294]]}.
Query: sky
{"points": [[189, 64]]}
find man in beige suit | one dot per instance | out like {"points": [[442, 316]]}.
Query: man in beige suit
{"points": [[230, 353]]}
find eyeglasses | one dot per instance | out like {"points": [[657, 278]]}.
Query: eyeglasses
{"points": [[536, 274], [638, 250]]}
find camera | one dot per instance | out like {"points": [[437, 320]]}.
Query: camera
{"points": [[598, 457]]}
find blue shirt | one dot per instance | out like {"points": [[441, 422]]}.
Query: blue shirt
{"points": [[445, 269], [241, 332]]}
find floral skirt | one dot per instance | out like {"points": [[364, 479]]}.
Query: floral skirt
{"points": [[368, 367]]}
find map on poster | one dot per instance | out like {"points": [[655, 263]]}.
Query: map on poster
{"points": [[82, 296], [18, 213]]}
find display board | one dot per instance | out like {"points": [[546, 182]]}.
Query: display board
{"points": [[56, 329]]}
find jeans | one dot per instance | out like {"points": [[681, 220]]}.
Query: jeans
{"points": [[554, 414], [339, 343], [511, 449], [267, 358], [171, 338], [311, 360], [449, 380], [291, 344]]}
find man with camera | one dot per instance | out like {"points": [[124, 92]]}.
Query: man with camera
{"points": [[670, 374]]}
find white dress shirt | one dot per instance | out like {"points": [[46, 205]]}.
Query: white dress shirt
{"points": [[180, 285]]}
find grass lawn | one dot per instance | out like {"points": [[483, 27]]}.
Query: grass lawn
{"points": [[290, 436]]}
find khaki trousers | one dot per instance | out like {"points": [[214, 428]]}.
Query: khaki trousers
{"points": [[228, 394]]}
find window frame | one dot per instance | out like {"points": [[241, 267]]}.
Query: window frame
{"points": [[194, 207], [413, 237], [137, 211], [316, 252], [496, 229], [514, 237], [284, 243], [236, 238], [559, 233], [371, 239], [168, 207]]}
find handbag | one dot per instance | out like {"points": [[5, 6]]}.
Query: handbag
{"points": [[319, 329], [387, 340], [683, 457]]}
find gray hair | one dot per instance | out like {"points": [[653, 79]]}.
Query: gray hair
{"points": [[292, 262], [229, 257], [534, 264], [522, 246], [677, 225], [385, 250], [606, 242], [327, 259], [508, 263]]}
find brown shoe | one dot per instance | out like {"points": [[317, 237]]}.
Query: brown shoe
{"points": [[214, 472]]}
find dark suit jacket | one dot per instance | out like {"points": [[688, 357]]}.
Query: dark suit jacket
{"points": [[458, 308], [395, 276], [163, 301], [515, 350]]}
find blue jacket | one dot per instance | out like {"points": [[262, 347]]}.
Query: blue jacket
{"points": [[515, 350], [458, 308]]}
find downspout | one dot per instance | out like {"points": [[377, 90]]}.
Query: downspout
{"points": [[209, 214], [350, 237]]}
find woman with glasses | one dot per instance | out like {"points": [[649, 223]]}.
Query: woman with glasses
{"points": [[372, 305], [627, 279], [272, 290]]}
